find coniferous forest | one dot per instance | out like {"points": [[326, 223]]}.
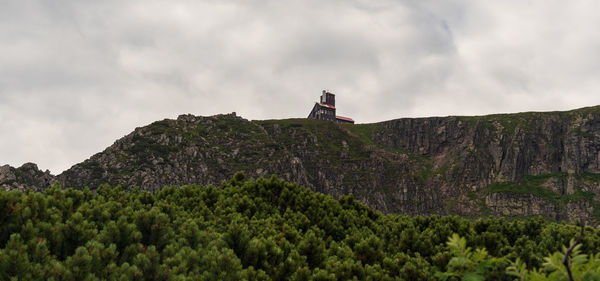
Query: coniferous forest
{"points": [[269, 229]]}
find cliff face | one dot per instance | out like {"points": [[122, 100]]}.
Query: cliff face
{"points": [[514, 164]]}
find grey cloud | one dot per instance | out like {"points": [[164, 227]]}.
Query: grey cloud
{"points": [[76, 75]]}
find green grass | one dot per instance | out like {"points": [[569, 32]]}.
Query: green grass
{"points": [[363, 131], [147, 146], [97, 172], [596, 213], [593, 110], [484, 209], [591, 177], [542, 192], [329, 137], [472, 195], [533, 185], [540, 179], [578, 196], [426, 172], [509, 122]]}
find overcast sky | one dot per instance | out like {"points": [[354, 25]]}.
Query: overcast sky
{"points": [[77, 75]]}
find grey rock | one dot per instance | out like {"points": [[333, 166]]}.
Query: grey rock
{"points": [[416, 166]]}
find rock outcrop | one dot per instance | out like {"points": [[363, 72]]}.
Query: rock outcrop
{"points": [[507, 165], [28, 176]]}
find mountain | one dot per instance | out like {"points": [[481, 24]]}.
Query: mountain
{"points": [[533, 163]]}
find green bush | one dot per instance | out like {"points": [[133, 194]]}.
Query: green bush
{"points": [[266, 229]]}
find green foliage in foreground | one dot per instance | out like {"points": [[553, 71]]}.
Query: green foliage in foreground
{"points": [[266, 229], [569, 264]]}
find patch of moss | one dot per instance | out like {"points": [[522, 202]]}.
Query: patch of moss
{"points": [[483, 207], [542, 192], [426, 172], [451, 203], [329, 137], [579, 131], [443, 170], [509, 122], [579, 195], [593, 110], [596, 213], [533, 185], [590, 177], [472, 195], [145, 146], [123, 174], [96, 171], [540, 179], [363, 131]]}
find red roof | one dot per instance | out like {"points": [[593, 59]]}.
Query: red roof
{"points": [[327, 105], [344, 118]]}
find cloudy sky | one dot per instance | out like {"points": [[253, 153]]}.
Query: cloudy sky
{"points": [[77, 75]]}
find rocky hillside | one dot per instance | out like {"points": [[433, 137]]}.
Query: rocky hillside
{"points": [[509, 164], [25, 177]]}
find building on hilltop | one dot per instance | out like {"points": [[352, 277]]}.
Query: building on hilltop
{"points": [[325, 110]]}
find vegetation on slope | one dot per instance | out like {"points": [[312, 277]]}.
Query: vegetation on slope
{"points": [[266, 229], [438, 165], [537, 186], [326, 136]]}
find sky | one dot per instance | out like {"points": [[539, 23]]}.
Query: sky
{"points": [[77, 75]]}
